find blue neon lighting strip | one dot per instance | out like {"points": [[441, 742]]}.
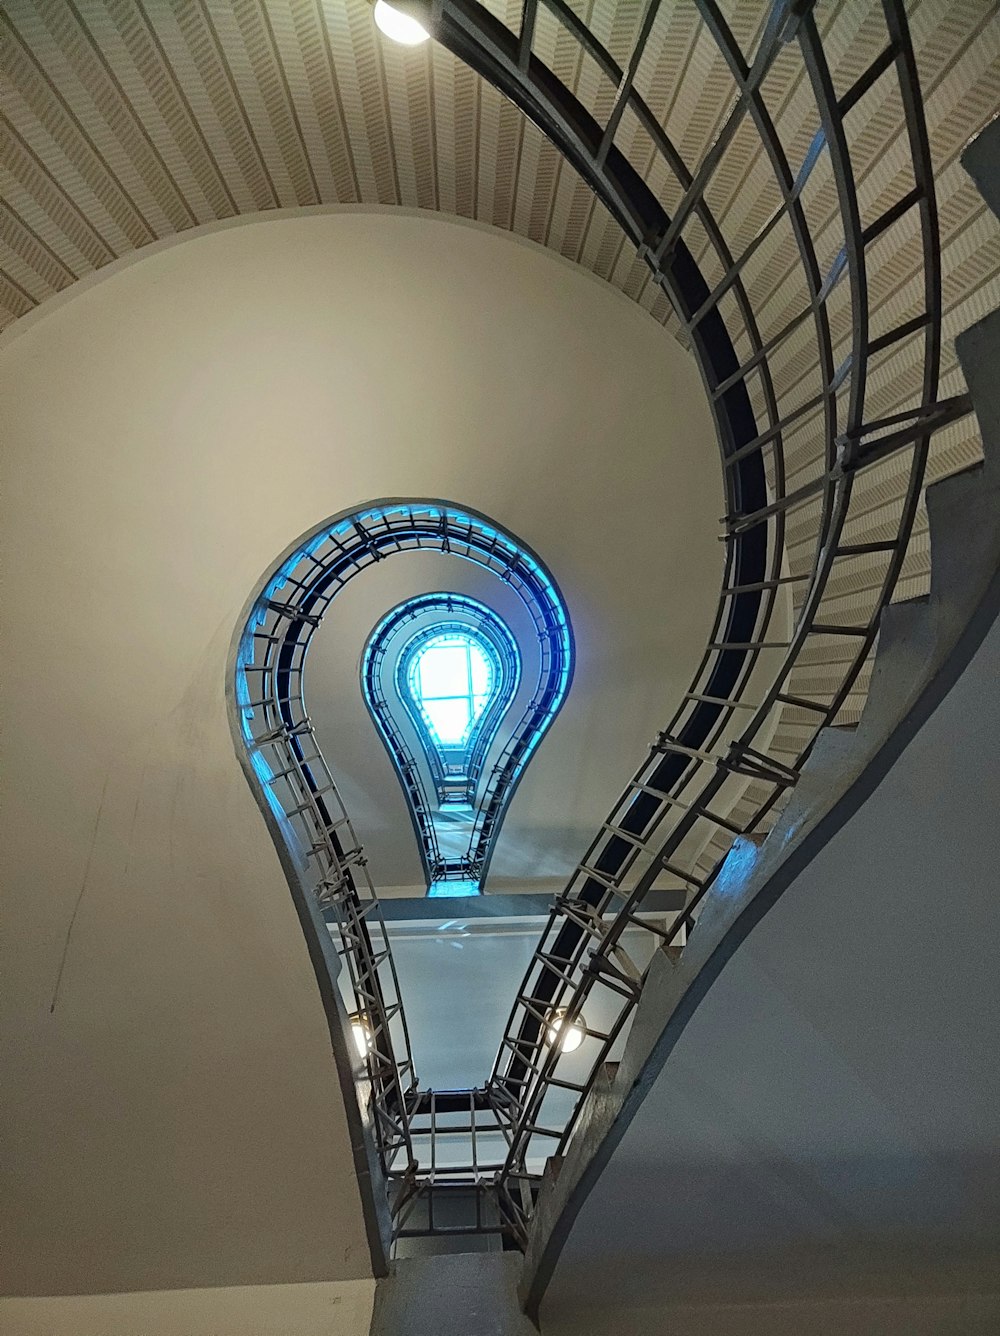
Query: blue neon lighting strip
{"points": [[309, 575], [468, 618]]}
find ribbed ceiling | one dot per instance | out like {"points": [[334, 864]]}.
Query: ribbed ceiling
{"points": [[131, 120], [128, 121]]}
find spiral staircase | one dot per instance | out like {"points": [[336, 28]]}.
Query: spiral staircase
{"points": [[797, 254], [805, 437]]}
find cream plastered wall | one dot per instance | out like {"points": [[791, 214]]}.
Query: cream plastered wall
{"points": [[338, 1308], [174, 1118]]}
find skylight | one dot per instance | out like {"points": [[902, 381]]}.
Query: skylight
{"points": [[452, 681], [440, 674]]}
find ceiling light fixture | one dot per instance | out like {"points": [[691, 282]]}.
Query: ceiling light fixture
{"points": [[399, 26], [574, 1035]]}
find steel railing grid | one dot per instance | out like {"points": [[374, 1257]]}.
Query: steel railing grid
{"points": [[800, 432]]}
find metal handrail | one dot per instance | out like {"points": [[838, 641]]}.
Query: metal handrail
{"points": [[712, 773], [682, 794], [447, 611], [295, 787]]}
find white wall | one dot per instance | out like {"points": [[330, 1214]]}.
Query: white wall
{"points": [[174, 1118], [341, 1308]]}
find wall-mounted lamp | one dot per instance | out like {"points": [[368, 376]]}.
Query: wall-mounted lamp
{"points": [[568, 1037], [399, 26], [361, 1033]]}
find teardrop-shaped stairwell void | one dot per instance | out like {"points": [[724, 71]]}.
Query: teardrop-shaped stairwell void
{"points": [[440, 674], [460, 705]]}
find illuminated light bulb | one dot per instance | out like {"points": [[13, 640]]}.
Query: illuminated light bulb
{"points": [[399, 26], [574, 1035], [362, 1036]]}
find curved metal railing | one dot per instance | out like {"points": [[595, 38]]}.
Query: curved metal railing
{"points": [[802, 424], [295, 788], [437, 614], [738, 739], [506, 670]]}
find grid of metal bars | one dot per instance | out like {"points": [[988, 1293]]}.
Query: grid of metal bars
{"points": [[461, 1139], [295, 787], [443, 609], [716, 754]]}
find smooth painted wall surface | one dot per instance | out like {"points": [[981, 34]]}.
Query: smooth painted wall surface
{"points": [[342, 1308], [888, 1315], [821, 1146], [174, 1118]]}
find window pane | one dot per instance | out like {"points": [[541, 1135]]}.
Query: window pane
{"points": [[444, 671], [450, 719]]}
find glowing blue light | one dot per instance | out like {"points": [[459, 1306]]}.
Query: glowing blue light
{"points": [[448, 723], [452, 680], [446, 890]]}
